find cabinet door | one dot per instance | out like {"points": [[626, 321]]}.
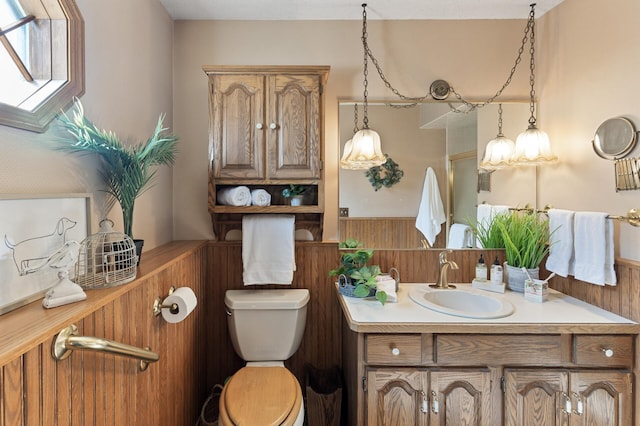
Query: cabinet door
{"points": [[238, 130], [397, 397], [601, 398], [461, 398], [295, 127], [536, 397]]}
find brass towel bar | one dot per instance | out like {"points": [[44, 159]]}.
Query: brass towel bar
{"points": [[68, 340], [632, 217]]}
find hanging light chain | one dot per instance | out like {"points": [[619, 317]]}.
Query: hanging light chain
{"points": [[500, 120], [369, 54], [525, 38], [365, 68], [470, 106], [532, 66]]}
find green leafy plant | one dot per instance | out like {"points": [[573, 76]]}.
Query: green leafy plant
{"points": [[293, 190], [526, 238], [353, 265], [128, 170]]}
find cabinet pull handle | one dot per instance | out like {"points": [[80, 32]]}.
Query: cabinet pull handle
{"points": [[395, 351], [579, 405], [435, 406], [259, 126], [425, 403], [273, 126], [608, 352], [567, 404]]}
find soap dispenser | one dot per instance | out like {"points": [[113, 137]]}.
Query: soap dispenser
{"points": [[481, 269], [496, 272]]}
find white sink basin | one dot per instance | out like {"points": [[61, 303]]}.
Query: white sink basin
{"points": [[462, 303]]}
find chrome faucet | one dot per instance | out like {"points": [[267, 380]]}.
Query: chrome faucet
{"points": [[445, 264]]}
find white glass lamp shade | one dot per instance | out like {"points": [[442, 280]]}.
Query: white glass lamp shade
{"points": [[498, 153], [363, 151], [533, 148]]}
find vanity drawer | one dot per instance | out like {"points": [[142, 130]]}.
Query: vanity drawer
{"points": [[394, 349], [502, 349], [603, 350]]}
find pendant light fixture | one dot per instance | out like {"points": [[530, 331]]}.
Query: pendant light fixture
{"points": [[532, 146], [499, 151], [363, 150]]}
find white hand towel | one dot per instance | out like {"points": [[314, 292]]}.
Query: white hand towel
{"points": [[268, 250], [388, 285], [485, 214], [561, 259], [593, 248], [235, 196], [260, 197], [460, 236], [431, 212]]}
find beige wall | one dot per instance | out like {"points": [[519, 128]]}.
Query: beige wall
{"points": [[128, 84], [469, 54], [588, 72]]}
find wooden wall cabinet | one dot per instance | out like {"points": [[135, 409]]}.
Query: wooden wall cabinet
{"points": [[488, 379], [266, 131]]}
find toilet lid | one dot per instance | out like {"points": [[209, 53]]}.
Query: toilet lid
{"points": [[261, 395]]}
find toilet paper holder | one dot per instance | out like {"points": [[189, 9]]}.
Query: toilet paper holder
{"points": [[158, 306]]}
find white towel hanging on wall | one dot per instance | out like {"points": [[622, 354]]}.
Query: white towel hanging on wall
{"points": [[593, 247], [268, 249], [431, 211]]}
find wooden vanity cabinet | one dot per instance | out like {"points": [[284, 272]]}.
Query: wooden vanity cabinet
{"points": [[266, 131], [567, 397], [488, 379]]}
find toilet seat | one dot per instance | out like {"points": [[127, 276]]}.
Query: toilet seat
{"points": [[269, 396]]}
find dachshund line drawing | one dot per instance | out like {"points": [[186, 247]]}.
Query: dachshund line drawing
{"points": [[31, 254]]}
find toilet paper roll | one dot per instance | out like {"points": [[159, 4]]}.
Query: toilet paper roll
{"points": [[186, 300]]}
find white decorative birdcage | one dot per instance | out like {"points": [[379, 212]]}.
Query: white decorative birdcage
{"points": [[107, 259]]}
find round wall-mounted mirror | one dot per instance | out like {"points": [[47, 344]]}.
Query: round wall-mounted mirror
{"points": [[615, 138]]}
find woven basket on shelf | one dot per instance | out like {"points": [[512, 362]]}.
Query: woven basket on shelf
{"points": [[107, 259]]}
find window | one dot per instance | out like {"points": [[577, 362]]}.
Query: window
{"points": [[41, 60]]}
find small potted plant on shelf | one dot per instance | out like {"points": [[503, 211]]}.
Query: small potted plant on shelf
{"points": [[355, 277], [294, 194], [127, 170]]}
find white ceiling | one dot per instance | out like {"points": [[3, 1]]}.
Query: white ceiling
{"points": [[352, 9]]}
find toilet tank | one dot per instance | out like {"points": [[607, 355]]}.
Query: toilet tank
{"points": [[266, 325]]}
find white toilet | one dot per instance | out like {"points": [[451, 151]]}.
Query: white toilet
{"points": [[266, 327]]}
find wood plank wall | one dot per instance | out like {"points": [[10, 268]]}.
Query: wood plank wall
{"points": [[396, 232], [322, 342], [90, 388]]}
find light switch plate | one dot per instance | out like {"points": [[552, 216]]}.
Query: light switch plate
{"points": [[344, 212]]}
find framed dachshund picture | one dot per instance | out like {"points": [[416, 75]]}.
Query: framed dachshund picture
{"points": [[34, 235]]}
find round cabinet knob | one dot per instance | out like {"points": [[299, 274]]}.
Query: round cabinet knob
{"points": [[273, 126], [259, 126], [395, 351], [607, 352]]}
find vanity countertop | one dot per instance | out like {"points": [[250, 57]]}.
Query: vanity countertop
{"points": [[558, 314]]}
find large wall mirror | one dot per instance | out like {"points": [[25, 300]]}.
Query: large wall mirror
{"points": [[452, 144]]}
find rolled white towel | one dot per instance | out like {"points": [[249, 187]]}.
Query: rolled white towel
{"points": [[235, 196], [388, 285], [260, 197]]}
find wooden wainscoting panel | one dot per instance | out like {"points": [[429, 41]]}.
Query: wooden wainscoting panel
{"points": [[391, 232], [91, 388]]}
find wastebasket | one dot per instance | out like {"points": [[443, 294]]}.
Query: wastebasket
{"points": [[324, 395]]}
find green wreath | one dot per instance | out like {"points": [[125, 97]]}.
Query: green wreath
{"points": [[387, 175]]}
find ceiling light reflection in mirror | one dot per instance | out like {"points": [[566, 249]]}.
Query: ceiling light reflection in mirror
{"points": [[429, 135]]}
